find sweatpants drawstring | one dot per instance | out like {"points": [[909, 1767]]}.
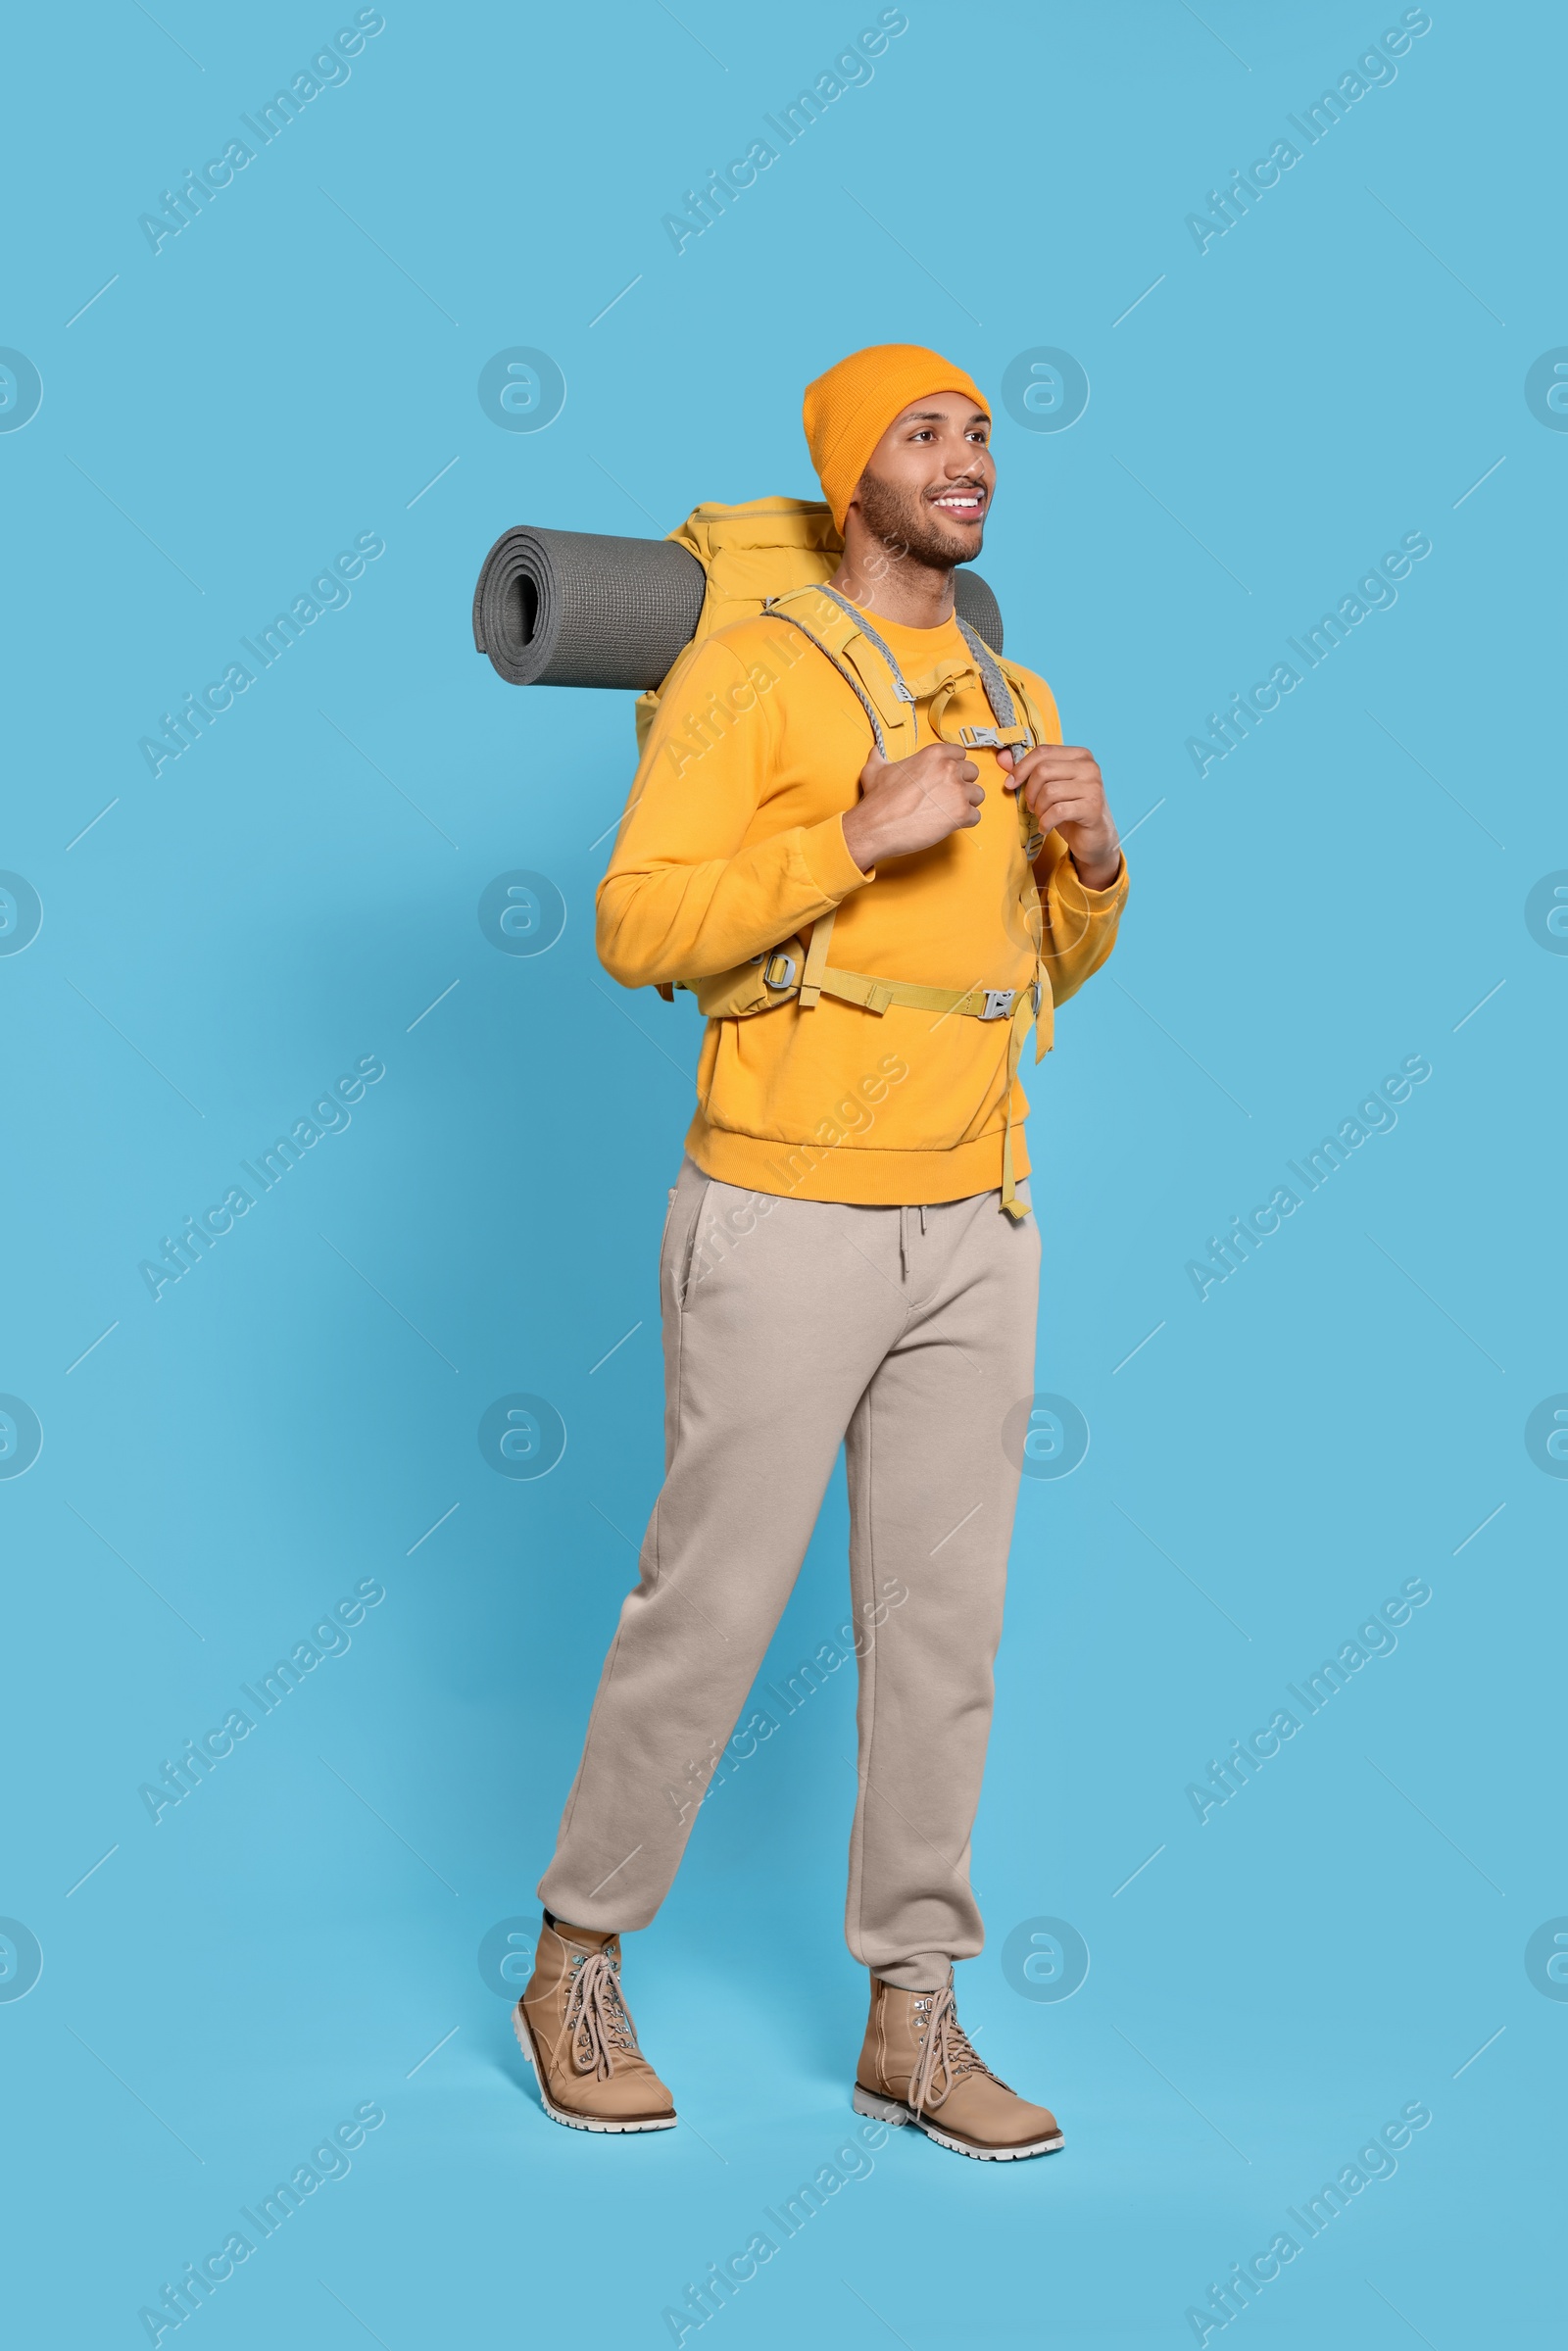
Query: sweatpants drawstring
{"points": [[904, 1242]]}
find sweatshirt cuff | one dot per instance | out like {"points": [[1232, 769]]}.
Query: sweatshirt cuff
{"points": [[1077, 893], [828, 862]]}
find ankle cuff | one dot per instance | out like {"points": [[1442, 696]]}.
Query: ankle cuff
{"points": [[930, 1982]]}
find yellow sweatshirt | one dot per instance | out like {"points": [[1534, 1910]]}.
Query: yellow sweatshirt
{"points": [[733, 839]]}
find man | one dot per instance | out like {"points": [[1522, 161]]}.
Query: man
{"points": [[849, 1254]]}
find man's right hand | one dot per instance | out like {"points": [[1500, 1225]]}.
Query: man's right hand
{"points": [[911, 803]]}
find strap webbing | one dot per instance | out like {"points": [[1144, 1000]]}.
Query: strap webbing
{"points": [[990, 677], [875, 995], [1024, 1012], [816, 959]]}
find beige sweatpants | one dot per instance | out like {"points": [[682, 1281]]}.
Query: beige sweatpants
{"points": [[791, 1326]]}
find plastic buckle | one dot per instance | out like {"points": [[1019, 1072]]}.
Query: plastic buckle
{"points": [[791, 969], [979, 738], [1034, 995], [999, 1003]]}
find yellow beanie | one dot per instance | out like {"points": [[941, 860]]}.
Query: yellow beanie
{"points": [[846, 411]]}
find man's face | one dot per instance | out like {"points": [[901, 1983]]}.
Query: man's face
{"points": [[927, 487]]}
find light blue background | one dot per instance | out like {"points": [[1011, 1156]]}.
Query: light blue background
{"points": [[295, 1414]]}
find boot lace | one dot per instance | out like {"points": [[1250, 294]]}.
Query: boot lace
{"points": [[947, 2052], [598, 2022]]}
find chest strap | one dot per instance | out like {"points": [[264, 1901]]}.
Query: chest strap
{"points": [[1013, 728]]}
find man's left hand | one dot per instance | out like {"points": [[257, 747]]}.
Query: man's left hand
{"points": [[1065, 794]]}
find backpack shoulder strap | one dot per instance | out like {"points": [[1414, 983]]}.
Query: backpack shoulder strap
{"points": [[1044, 729], [862, 658], [1007, 684]]}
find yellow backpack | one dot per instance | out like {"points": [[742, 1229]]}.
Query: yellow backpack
{"points": [[749, 552], [777, 554]]}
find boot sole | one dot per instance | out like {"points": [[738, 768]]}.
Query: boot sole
{"points": [[579, 2122], [895, 2111]]}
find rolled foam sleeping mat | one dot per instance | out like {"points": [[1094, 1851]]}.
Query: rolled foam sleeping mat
{"points": [[575, 607]]}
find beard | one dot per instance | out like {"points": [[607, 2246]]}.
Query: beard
{"points": [[910, 529]]}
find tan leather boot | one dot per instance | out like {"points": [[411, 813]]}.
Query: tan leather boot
{"points": [[917, 2065], [575, 2030]]}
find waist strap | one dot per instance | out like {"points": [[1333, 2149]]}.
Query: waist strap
{"points": [[1018, 1006]]}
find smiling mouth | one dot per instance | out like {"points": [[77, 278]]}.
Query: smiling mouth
{"points": [[964, 506]]}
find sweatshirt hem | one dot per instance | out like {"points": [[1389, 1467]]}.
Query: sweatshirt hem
{"points": [[855, 1176]]}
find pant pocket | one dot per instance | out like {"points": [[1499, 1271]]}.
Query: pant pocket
{"points": [[683, 1230], [664, 1237]]}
